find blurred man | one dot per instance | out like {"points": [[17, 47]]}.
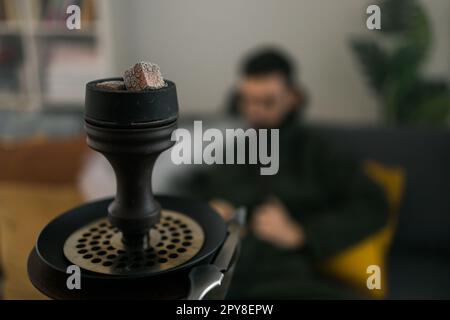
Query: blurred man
{"points": [[318, 203]]}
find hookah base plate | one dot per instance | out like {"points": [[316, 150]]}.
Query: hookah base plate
{"points": [[47, 263], [98, 247]]}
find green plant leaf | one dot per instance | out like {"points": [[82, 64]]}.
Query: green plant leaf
{"points": [[394, 72], [373, 60], [397, 16], [433, 111]]}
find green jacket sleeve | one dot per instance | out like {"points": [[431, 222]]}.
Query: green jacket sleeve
{"points": [[354, 208]]}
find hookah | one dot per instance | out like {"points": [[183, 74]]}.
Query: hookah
{"points": [[136, 245]]}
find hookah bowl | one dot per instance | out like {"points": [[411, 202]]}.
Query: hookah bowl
{"points": [[137, 245]]}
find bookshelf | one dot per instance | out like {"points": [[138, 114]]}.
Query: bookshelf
{"points": [[44, 65]]}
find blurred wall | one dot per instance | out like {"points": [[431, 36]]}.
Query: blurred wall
{"points": [[198, 43]]}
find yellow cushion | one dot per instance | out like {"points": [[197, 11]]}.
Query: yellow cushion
{"points": [[350, 266], [24, 210]]}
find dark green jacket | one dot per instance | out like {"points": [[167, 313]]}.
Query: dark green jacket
{"points": [[327, 193]]}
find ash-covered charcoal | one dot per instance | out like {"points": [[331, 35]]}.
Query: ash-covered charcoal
{"points": [[143, 76], [111, 85]]}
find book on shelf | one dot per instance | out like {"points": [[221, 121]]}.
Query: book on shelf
{"points": [[63, 65], [11, 61], [69, 68], [9, 12]]}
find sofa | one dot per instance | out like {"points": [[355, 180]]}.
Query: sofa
{"points": [[419, 256]]}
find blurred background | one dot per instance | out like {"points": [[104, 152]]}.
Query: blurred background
{"points": [[382, 96]]}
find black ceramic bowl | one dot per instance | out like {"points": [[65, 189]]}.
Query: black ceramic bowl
{"points": [[122, 108]]}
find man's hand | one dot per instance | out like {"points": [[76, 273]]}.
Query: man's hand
{"points": [[272, 223], [224, 208]]}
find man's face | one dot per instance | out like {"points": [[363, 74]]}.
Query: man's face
{"points": [[265, 100]]}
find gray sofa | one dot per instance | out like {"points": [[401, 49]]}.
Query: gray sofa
{"points": [[419, 259]]}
